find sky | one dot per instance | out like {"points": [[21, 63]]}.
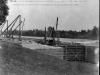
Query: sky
{"points": [[84, 15]]}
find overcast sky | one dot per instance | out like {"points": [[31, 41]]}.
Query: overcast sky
{"points": [[83, 16]]}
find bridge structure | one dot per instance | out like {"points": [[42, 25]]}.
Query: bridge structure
{"points": [[12, 27]]}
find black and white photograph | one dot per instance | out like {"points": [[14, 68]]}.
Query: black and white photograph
{"points": [[49, 37]]}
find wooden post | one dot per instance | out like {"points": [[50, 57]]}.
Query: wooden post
{"points": [[64, 52], [45, 36], [57, 33], [53, 33], [1, 31], [85, 53], [7, 30], [19, 28], [22, 27], [58, 38], [12, 34]]}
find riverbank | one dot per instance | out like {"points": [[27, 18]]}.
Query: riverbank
{"points": [[16, 60], [32, 43]]}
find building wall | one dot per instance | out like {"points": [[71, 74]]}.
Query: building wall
{"points": [[92, 54]]}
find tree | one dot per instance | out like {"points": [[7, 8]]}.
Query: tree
{"points": [[50, 30], [83, 32], [3, 10], [89, 32], [95, 31]]}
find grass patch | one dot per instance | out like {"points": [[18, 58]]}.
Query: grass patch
{"points": [[24, 61]]}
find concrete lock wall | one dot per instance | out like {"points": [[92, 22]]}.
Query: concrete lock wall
{"points": [[92, 54]]}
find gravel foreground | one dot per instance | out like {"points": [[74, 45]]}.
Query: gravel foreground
{"points": [[16, 60]]}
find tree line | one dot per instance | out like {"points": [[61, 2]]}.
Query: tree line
{"points": [[83, 34], [3, 11]]}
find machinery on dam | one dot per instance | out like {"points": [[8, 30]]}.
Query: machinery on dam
{"points": [[50, 40]]}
